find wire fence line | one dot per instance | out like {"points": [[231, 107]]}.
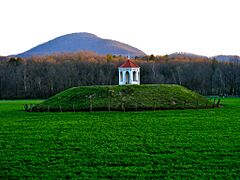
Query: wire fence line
{"points": [[126, 104]]}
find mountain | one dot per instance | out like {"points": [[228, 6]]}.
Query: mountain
{"points": [[227, 58], [220, 58], [82, 42], [185, 55], [3, 58]]}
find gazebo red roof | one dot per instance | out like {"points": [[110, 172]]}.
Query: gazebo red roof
{"points": [[129, 64]]}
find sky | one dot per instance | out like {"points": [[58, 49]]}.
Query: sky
{"points": [[159, 27]]}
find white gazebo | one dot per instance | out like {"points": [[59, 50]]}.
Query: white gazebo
{"points": [[129, 73]]}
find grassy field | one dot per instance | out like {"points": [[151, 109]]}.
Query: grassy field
{"points": [[192, 144]]}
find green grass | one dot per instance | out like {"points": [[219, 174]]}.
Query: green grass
{"points": [[176, 144], [121, 98]]}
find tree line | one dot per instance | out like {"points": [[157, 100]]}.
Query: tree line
{"points": [[43, 77]]}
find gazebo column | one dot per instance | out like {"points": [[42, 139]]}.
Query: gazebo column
{"points": [[138, 75], [130, 77], [119, 75]]}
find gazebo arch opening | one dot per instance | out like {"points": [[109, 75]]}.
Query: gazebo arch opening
{"points": [[121, 76], [134, 76], [127, 77]]}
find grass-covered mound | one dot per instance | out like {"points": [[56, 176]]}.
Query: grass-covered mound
{"points": [[124, 98]]}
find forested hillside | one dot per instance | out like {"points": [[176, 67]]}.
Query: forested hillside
{"points": [[42, 77]]}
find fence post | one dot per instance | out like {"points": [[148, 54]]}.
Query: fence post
{"points": [[91, 107], [109, 106], [154, 106], [218, 103], [31, 107], [206, 105], [26, 107], [197, 104], [73, 108], [123, 107], [214, 101]]}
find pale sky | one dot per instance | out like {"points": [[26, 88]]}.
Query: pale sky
{"points": [[159, 27]]}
